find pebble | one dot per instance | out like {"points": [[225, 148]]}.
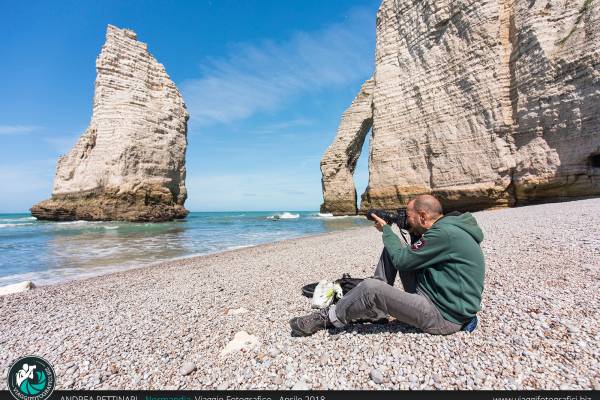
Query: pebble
{"points": [[376, 376], [573, 329], [274, 352], [538, 327], [187, 368], [300, 385], [242, 341]]}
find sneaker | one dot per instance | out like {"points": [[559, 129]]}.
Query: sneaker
{"points": [[470, 325], [311, 323]]}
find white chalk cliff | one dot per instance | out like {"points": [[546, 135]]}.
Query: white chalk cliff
{"points": [[339, 162], [482, 103], [130, 162]]}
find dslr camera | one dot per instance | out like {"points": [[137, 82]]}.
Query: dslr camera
{"points": [[390, 218]]}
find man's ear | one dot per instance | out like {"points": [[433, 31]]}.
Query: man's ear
{"points": [[423, 217]]}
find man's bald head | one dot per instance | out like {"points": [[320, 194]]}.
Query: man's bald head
{"points": [[428, 204], [422, 212]]}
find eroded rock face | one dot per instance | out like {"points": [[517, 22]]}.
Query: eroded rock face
{"points": [[481, 103], [557, 73], [130, 162], [339, 161]]}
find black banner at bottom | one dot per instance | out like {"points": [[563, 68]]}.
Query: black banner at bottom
{"points": [[316, 395]]}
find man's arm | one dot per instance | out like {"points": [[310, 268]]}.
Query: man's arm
{"points": [[431, 249]]}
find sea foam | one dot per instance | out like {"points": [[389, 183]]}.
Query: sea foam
{"points": [[14, 225], [287, 215], [284, 215]]}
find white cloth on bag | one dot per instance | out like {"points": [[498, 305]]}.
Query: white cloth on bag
{"points": [[325, 293]]}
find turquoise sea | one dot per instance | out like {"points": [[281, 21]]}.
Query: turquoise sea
{"points": [[49, 252]]}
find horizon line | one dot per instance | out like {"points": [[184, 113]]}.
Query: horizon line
{"points": [[219, 211]]}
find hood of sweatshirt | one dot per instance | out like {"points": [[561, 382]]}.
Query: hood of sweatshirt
{"points": [[466, 222]]}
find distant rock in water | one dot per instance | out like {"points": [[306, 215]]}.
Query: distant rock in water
{"points": [[130, 162], [483, 104]]}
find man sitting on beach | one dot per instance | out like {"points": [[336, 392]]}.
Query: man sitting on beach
{"points": [[442, 274]]}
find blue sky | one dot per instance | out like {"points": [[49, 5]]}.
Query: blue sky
{"points": [[265, 83]]}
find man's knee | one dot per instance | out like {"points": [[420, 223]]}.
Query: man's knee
{"points": [[372, 292], [371, 285]]}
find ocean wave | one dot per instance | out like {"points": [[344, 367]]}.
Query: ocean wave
{"points": [[111, 227], [287, 215], [284, 215], [78, 222], [14, 225], [331, 216], [241, 246], [11, 220]]}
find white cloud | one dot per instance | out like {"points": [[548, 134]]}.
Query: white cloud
{"points": [[18, 129], [263, 76]]}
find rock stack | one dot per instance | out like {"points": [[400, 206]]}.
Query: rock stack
{"points": [[129, 164], [483, 104]]}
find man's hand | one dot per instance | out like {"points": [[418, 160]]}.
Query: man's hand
{"points": [[379, 223]]}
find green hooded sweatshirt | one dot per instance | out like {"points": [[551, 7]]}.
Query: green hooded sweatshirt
{"points": [[449, 264]]}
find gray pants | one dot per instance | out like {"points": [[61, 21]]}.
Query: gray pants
{"points": [[376, 298]]}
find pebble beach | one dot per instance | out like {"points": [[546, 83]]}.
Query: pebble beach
{"points": [[167, 326]]}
